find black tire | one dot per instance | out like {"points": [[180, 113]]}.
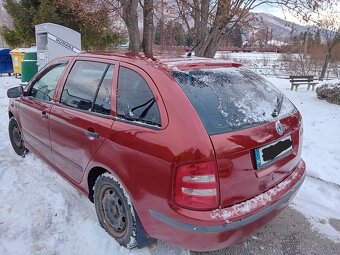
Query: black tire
{"points": [[114, 210], [16, 138]]}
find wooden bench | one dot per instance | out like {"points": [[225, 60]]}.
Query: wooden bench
{"points": [[296, 81]]}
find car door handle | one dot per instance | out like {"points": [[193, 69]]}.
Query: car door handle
{"points": [[44, 115], [91, 134]]}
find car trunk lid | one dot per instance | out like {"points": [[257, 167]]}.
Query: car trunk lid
{"points": [[240, 176]]}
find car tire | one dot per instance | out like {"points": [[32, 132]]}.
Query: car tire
{"points": [[114, 210], [16, 138]]}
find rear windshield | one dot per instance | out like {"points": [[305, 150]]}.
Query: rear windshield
{"points": [[229, 99]]}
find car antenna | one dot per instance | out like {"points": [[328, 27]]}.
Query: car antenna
{"points": [[189, 53]]}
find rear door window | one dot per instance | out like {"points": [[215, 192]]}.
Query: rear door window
{"points": [[102, 103], [135, 100], [229, 99], [88, 87]]}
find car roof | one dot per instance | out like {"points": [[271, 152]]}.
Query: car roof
{"points": [[169, 62]]}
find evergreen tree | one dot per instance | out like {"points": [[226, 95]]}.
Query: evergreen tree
{"points": [[10, 37], [302, 37], [317, 37], [22, 13], [188, 40], [27, 13], [179, 34], [157, 35], [236, 35], [310, 38]]}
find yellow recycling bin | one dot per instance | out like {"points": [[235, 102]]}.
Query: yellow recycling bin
{"points": [[17, 57]]}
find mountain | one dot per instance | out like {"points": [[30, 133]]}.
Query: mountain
{"points": [[280, 29]]}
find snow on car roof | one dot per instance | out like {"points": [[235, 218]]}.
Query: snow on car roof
{"points": [[184, 63], [173, 61]]}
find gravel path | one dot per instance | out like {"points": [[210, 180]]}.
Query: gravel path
{"points": [[288, 234]]}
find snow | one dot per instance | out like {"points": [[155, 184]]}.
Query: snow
{"points": [[319, 198], [276, 43], [254, 56], [173, 63], [321, 121], [132, 242], [256, 203], [41, 213], [241, 97]]}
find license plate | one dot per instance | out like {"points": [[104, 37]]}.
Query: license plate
{"points": [[272, 152]]}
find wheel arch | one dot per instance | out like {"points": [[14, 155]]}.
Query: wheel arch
{"points": [[10, 115], [92, 176], [97, 170], [142, 238]]}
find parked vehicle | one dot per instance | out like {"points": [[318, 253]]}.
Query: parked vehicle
{"points": [[192, 151]]}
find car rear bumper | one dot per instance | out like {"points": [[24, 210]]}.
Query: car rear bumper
{"points": [[223, 227]]}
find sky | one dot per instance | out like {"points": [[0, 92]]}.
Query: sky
{"points": [[286, 15]]}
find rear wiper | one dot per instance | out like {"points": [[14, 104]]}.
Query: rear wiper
{"points": [[278, 107]]}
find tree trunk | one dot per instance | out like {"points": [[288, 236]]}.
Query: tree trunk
{"points": [[325, 65], [211, 49], [161, 26], [197, 22], [200, 17], [206, 46], [148, 27], [204, 17], [131, 21]]}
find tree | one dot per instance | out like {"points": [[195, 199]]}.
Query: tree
{"points": [[22, 13], [206, 20], [213, 18], [179, 34], [317, 37], [10, 37], [27, 13], [157, 35], [330, 25], [237, 36], [148, 27], [189, 41], [127, 10], [130, 17], [174, 34], [308, 41]]}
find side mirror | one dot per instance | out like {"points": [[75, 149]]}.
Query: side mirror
{"points": [[15, 92]]}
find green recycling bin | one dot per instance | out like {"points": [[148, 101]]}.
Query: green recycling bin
{"points": [[28, 67]]}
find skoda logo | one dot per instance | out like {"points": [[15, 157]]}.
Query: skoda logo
{"points": [[279, 127]]}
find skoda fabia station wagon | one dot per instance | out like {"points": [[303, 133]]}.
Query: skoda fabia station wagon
{"points": [[191, 151]]}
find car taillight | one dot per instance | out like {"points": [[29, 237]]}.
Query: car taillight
{"points": [[196, 186]]}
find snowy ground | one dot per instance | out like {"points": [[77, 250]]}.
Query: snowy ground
{"points": [[40, 213], [264, 63], [319, 198], [276, 64]]}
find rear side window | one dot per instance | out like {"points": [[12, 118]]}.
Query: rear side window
{"points": [[88, 87], [44, 88], [135, 100], [229, 99]]}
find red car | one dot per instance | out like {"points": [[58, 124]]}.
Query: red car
{"points": [[192, 151]]}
